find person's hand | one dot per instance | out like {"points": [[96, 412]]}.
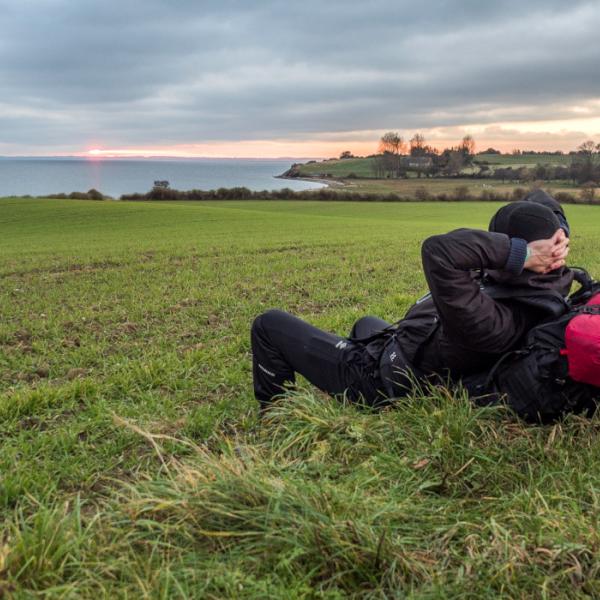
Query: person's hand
{"points": [[547, 255]]}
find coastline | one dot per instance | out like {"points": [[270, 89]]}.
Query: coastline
{"points": [[328, 183], [115, 177]]}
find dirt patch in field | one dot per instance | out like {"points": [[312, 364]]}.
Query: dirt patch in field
{"points": [[128, 327], [74, 342], [185, 303], [76, 373], [310, 307], [50, 421], [68, 269]]}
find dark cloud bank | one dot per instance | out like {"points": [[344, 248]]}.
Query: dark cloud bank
{"points": [[156, 73]]}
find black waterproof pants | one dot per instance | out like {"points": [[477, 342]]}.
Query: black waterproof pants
{"points": [[283, 345]]}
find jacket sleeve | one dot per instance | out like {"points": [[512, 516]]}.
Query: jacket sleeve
{"points": [[470, 317]]}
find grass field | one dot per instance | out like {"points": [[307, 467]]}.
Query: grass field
{"points": [[408, 187], [132, 461], [525, 159]]}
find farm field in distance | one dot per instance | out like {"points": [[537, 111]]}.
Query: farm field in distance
{"points": [[442, 185], [525, 159], [132, 460]]}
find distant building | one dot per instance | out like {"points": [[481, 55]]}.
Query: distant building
{"points": [[417, 162]]}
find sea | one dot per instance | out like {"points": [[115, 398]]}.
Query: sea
{"points": [[117, 176]]}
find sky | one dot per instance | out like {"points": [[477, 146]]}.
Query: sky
{"points": [[271, 78]]}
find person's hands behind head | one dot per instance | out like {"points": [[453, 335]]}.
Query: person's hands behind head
{"points": [[544, 256]]}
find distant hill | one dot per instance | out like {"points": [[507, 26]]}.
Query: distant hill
{"points": [[364, 167], [360, 167]]}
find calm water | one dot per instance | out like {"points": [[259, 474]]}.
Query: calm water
{"points": [[39, 176]]}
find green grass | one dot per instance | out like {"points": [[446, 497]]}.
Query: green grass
{"points": [[361, 167], [525, 160], [132, 462]]}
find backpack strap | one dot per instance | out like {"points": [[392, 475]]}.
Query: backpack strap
{"points": [[503, 359], [582, 277], [593, 309], [551, 302], [588, 288]]}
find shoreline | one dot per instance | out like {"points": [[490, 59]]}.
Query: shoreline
{"points": [[328, 183]]}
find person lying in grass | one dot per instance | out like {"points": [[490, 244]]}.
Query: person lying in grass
{"points": [[456, 330]]}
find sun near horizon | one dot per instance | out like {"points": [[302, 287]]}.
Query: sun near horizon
{"points": [[544, 135]]}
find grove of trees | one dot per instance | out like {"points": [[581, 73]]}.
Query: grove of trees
{"points": [[396, 158], [421, 157]]}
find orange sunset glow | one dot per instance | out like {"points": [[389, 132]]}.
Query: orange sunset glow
{"points": [[562, 135]]}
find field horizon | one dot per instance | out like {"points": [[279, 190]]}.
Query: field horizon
{"points": [[133, 460]]}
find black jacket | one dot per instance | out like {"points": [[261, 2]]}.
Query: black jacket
{"points": [[459, 329]]}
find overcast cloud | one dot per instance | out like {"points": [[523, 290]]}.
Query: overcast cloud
{"points": [[149, 73]]}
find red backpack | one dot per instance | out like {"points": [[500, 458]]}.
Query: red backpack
{"points": [[582, 343]]}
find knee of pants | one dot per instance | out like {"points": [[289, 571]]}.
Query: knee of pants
{"points": [[362, 324], [263, 319], [362, 320]]}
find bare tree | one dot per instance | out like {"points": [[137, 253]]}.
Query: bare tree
{"points": [[391, 142], [417, 145], [467, 145], [391, 145], [588, 148]]}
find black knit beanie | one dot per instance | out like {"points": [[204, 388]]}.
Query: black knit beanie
{"points": [[527, 220], [542, 197]]}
